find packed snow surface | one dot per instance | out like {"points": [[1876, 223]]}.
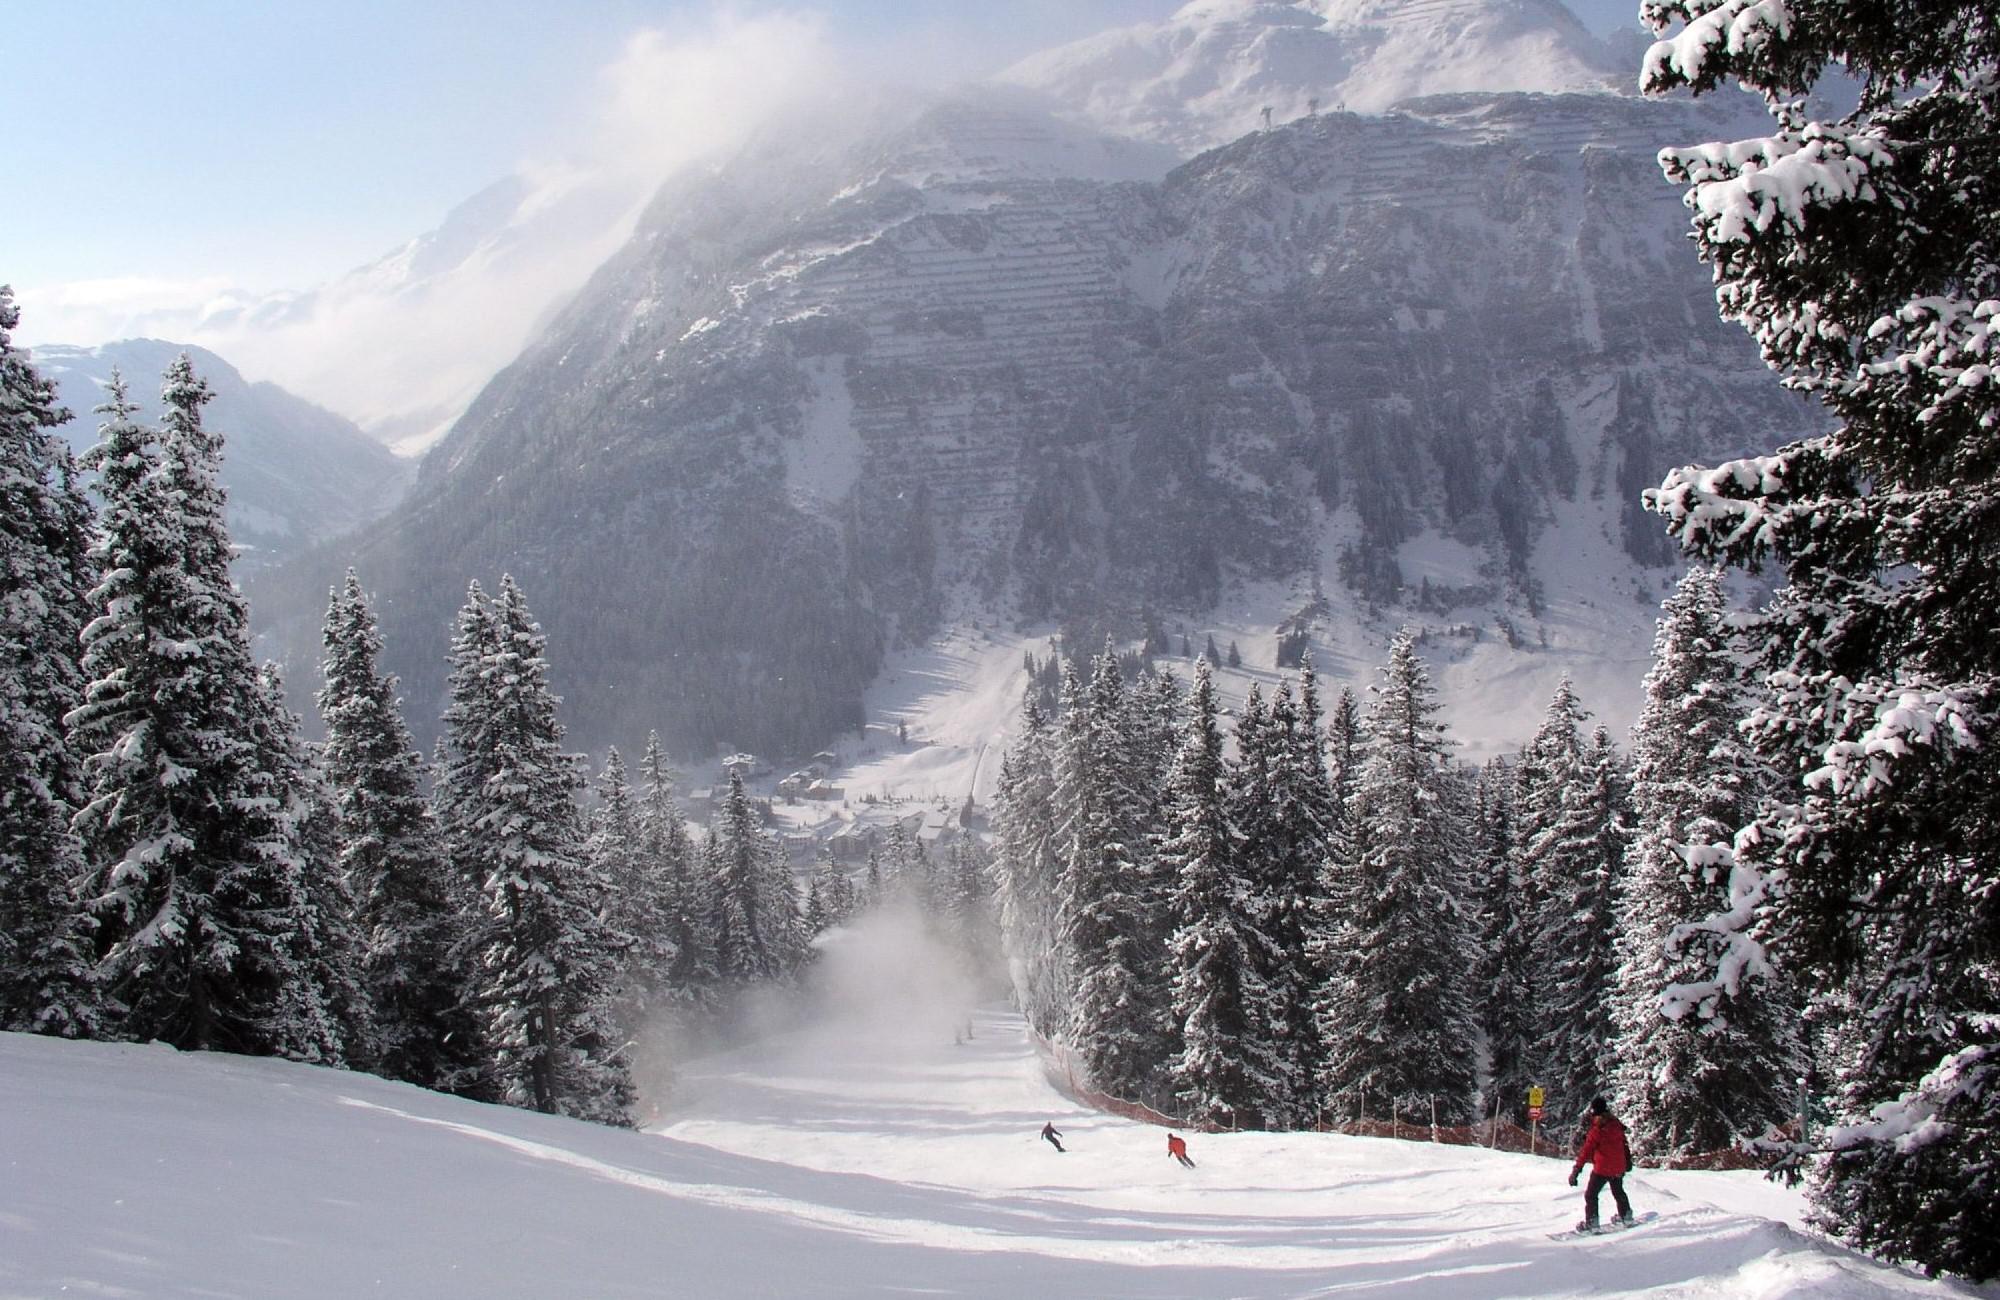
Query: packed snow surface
{"points": [[872, 1155]]}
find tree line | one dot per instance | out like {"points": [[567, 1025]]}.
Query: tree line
{"points": [[178, 864], [1323, 917]]}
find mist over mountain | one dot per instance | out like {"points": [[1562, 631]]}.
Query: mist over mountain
{"points": [[296, 473], [958, 359], [1206, 74]]}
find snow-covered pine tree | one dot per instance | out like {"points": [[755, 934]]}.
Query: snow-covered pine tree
{"points": [[45, 582], [837, 890], [638, 906], [874, 890], [1261, 841], [1583, 861], [817, 920], [1550, 764], [1226, 1071], [749, 946], [548, 953], [1338, 878], [411, 912], [908, 870], [669, 854], [465, 763], [198, 901], [333, 1000], [1691, 1084], [1401, 1028], [1028, 869], [1311, 828], [1858, 253], [788, 937], [1503, 978], [1110, 925], [970, 916]]}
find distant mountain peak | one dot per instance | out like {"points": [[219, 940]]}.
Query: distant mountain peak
{"points": [[1207, 74]]}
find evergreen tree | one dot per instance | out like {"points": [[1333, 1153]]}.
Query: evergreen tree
{"points": [[1551, 764], [45, 580], [1504, 977], [1028, 865], [1261, 856], [410, 912], [329, 947], [873, 888], [1401, 1028], [199, 904], [639, 905], [671, 858], [1339, 879], [749, 933], [973, 925], [1310, 828], [547, 951], [1867, 278], [817, 920], [1583, 860], [1688, 1084], [908, 870], [1227, 1072], [1108, 922]]}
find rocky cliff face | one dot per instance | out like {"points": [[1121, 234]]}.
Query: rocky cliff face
{"points": [[965, 360]]}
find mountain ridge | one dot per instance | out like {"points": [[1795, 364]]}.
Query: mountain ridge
{"points": [[297, 474], [837, 396]]}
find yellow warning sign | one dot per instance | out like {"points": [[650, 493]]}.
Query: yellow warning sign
{"points": [[1535, 1096]]}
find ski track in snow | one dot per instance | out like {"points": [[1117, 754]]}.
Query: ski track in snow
{"points": [[870, 1156]]}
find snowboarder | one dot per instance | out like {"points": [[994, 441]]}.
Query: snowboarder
{"points": [[1605, 1151], [1052, 1136], [1178, 1149]]}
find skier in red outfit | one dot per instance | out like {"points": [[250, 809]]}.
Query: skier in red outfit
{"points": [[1177, 1148], [1605, 1151]]}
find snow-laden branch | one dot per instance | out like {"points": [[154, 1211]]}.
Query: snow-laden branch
{"points": [[1742, 188], [1725, 508], [1906, 718], [1948, 342], [1911, 1121], [1733, 27], [1739, 955]]}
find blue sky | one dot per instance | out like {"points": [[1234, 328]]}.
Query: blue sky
{"points": [[278, 143]]}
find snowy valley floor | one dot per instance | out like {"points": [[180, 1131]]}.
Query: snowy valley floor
{"points": [[865, 1158]]}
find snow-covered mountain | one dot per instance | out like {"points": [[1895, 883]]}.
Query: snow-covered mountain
{"points": [[1206, 75], [296, 473], [954, 360], [402, 344]]}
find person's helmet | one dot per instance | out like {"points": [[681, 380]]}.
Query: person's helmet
{"points": [[1597, 1106]]}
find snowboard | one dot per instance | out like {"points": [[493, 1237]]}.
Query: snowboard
{"points": [[1605, 1229]]}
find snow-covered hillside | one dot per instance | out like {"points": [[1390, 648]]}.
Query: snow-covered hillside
{"points": [[870, 1156], [1205, 75], [296, 473]]}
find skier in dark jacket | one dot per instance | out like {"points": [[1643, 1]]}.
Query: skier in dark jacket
{"points": [[1605, 1151], [1052, 1136]]}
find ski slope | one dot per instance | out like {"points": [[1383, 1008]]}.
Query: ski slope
{"points": [[869, 1156]]}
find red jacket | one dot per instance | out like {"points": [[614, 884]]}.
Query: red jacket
{"points": [[1605, 1147]]}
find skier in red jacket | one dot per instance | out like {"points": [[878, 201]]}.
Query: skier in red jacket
{"points": [[1605, 1151], [1177, 1148]]}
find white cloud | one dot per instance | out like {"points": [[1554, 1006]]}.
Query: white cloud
{"points": [[401, 346]]}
